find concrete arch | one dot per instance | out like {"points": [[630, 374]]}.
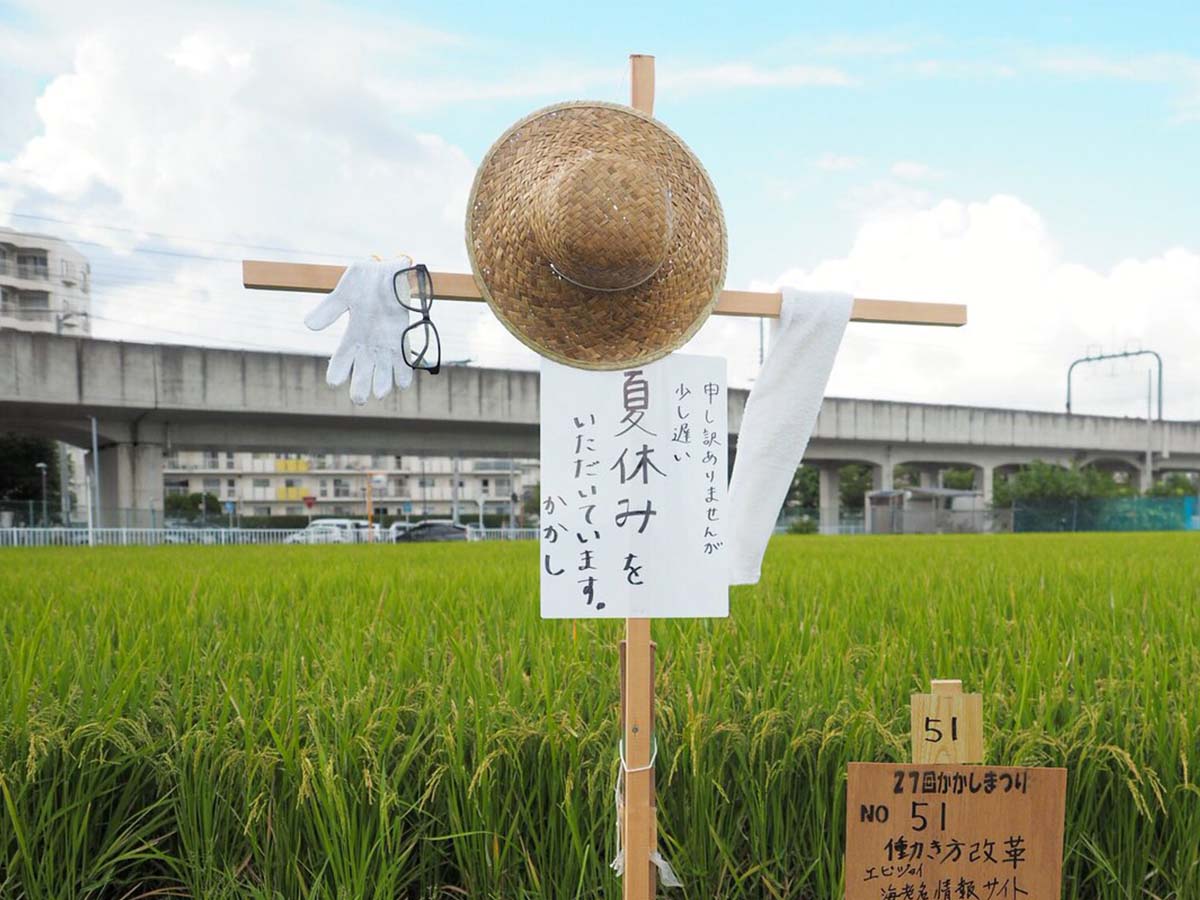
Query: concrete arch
{"points": [[1122, 459]]}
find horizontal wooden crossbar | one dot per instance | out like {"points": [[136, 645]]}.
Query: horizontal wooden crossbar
{"points": [[285, 276]]}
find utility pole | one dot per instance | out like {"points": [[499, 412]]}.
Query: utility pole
{"points": [[512, 493], [1128, 353], [1149, 479], [41, 467], [96, 511], [64, 483]]}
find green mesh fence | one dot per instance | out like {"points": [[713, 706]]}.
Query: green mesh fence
{"points": [[1108, 514]]}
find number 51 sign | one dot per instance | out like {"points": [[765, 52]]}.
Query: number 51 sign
{"points": [[947, 725]]}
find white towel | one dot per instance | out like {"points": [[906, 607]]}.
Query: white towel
{"points": [[779, 419]]}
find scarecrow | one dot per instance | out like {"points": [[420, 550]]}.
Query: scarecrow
{"points": [[596, 237]]}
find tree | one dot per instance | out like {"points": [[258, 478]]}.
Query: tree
{"points": [[805, 490], [959, 479], [190, 506], [1176, 484], [20, 478], [1040, 481], [855, 480], [531, 502]]}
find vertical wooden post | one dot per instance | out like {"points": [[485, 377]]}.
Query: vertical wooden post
{"points": [[638, 784], [947, 725], [641, 83], [639, 830]]}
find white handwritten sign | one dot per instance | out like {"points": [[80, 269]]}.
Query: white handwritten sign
{"points": [[634, 472]]}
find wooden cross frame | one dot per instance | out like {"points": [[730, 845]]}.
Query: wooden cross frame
{"points": [[639, 828]]}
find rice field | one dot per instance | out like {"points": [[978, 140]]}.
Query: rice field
{"points": [[379, 722]]}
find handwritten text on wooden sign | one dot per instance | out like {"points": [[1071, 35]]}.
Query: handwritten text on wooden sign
{"points": [[954, 832]]}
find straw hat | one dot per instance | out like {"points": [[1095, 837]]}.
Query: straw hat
{"points": [[596, 236]]}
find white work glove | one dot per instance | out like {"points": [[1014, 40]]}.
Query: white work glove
{"points": [[373, 338]]}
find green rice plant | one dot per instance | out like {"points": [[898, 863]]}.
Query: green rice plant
{"points": [[397, 722]]}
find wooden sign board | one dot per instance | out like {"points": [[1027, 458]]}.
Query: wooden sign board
{"points": [[947, 725], [633, 507], [953, 832]]}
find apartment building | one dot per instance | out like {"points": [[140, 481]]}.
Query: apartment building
{"points": [[276, 484], [44, 284]]}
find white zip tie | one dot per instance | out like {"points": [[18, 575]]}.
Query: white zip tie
{"points": [[645, 768]]}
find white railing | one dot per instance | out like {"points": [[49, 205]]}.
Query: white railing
{"points": [[130, 537], [134, 537], [475, 533]]}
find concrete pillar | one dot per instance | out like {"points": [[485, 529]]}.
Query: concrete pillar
{"points": [[930, 477], [131, 485], [1145, 478], [989, 481], [881, 476], [830, 498]]}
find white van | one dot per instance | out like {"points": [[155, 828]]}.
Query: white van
{"points": [[333, 531]]}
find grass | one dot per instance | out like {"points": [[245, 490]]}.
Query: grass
{"points": [[377, 722]]}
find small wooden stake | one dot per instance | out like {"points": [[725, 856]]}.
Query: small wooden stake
{"points": [[947, 725]]}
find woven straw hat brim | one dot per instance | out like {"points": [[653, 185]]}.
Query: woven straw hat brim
{"points": [[559, 319]]}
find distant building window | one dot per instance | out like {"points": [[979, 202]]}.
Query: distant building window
{"points": [[262, 510], [341, 487], [262, 482], [229, 460], [211, 459], [32, 264], [291, 482], [293, 511], [175, 487], [212, 485], [324, 489], [35, 299], [426, 482]]}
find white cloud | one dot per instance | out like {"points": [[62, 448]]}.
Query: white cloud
{"points": [[836, 162], [912, 171], [729, 75], [865, 45], [1031, 311], [960, 68], [294, 130], [1177, 70]]}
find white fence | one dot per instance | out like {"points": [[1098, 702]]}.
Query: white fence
{"points": [[153, 537], [129, 537], [475, 533]]}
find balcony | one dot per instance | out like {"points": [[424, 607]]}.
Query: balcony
{"points": [[26, 271]]}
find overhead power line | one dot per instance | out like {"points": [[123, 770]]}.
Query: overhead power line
{"points": [[178, 237]]}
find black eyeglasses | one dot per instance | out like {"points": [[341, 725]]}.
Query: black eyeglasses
{"points": [[422, 348]]}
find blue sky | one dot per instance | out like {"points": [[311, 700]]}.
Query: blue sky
{"points": [[1038, 163]]}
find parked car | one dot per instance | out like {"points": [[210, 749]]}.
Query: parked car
{"points": [[398, 528], [337, 531], [432, 530], [326, 531]]}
